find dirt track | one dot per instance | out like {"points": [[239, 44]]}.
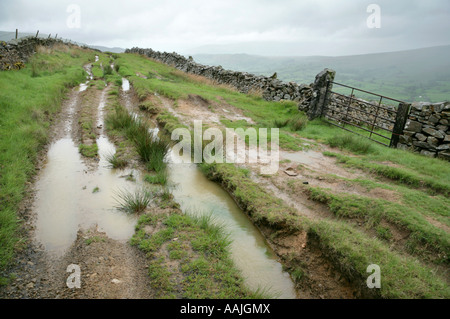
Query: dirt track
{"points": [[109, 268]]}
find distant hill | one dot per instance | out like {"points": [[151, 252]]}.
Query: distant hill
{"points": [[107, 49], [6, 36], [414, 75]]}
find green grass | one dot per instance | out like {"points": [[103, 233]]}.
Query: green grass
{"points": [[151, 150], [134, 202], [88, 150], [160, 178], [116, 162], [424, 238], [355, 144], [433, 177], [352, 251], [28, 100], [197, 250]]}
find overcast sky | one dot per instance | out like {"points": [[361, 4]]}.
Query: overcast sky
{"points": [[265, 27]]}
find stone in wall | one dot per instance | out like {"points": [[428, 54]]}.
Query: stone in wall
{"points": [[427, 130]]}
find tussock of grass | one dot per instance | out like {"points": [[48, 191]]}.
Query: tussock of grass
{"points": [[107, 70], [353, 143], [298, 122], [151, 150], [116, 162], [160, 178], [134, 202], [88, 150], [149, 107]]}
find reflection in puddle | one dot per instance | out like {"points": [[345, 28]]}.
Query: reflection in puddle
{"points": [[83, 86], [125, 85], [251, 254]]}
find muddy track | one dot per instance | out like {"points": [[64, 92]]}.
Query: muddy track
{"points": [[110, 268]]}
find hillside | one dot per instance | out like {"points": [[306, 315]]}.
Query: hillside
{"points": [[414, 75]]}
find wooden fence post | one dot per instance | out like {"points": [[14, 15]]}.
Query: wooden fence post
{"points": [[17, 33], [37, 33], [400, 121]]}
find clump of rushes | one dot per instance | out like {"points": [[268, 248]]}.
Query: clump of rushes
{"points": [[115, 161], [107, 70], [298, 123], [149, 107], [120, 119], [150, 148], [160, 178], [356, 144], [134, 202], [279, 123]]}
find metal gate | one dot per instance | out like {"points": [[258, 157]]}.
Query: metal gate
{"points": [[381, 119]]}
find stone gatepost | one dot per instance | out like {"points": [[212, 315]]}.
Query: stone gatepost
{"points": [[321, 93]]}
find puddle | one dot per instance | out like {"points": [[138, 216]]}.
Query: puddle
{"points": [[70, 197], [251, 254], [125, 85], [302, 157], [83, 86]]}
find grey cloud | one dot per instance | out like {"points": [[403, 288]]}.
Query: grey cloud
{"points": [[287, 27]]}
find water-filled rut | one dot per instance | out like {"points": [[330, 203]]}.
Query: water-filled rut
{"points": [[71, 196]]}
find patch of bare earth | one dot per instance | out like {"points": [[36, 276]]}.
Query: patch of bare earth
{"points": [[110, 269]]}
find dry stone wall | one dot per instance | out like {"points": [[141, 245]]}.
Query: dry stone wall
{"points": [[15, 53], [361, 112], [427, 129], [272, 88]]}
